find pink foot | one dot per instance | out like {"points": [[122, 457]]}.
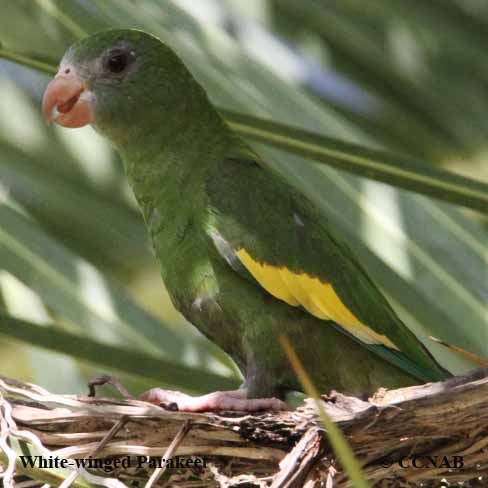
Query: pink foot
{"points": [[219, 400]]}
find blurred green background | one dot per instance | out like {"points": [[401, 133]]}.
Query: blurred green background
{"points": [[75, 265]]}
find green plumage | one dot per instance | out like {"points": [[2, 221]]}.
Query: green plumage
{"points": [[204, 197]]}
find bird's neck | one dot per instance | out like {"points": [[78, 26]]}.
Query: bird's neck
{"points": [[167, 163]]}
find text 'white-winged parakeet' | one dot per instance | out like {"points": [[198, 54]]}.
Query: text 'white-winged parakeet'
{"points": [[245, 256]]}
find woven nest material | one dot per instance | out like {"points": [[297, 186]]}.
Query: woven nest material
{"points": [[431, 435]]}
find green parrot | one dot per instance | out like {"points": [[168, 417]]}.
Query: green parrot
{"points": [[245, 256]]}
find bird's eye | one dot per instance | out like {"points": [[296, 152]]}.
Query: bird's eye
{"points": [[117, 63], [118, 60]]}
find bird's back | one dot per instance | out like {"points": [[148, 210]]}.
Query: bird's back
{"points": [[274, 236]]}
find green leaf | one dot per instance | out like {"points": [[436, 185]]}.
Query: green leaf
{"points": [[27, 59], [389, 168], [64, 281], [428, 256], [76, 291], [57, 13], [73, 209], [118, 358], [378, 165], [390, 50]]}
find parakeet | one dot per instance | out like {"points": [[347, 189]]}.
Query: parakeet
{"points": [[244, 255]]}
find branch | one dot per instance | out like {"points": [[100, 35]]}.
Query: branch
{"points": [[277, 449]]}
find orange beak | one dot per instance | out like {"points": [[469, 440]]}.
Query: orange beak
{"points": [[67, 101]]}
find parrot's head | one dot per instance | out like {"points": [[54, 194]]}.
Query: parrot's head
{"points": [[119, 80]]}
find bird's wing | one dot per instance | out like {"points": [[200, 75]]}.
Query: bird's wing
{"points": [[267, 230]]}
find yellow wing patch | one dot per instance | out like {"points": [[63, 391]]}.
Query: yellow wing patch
{"points": [[319, 299]]}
